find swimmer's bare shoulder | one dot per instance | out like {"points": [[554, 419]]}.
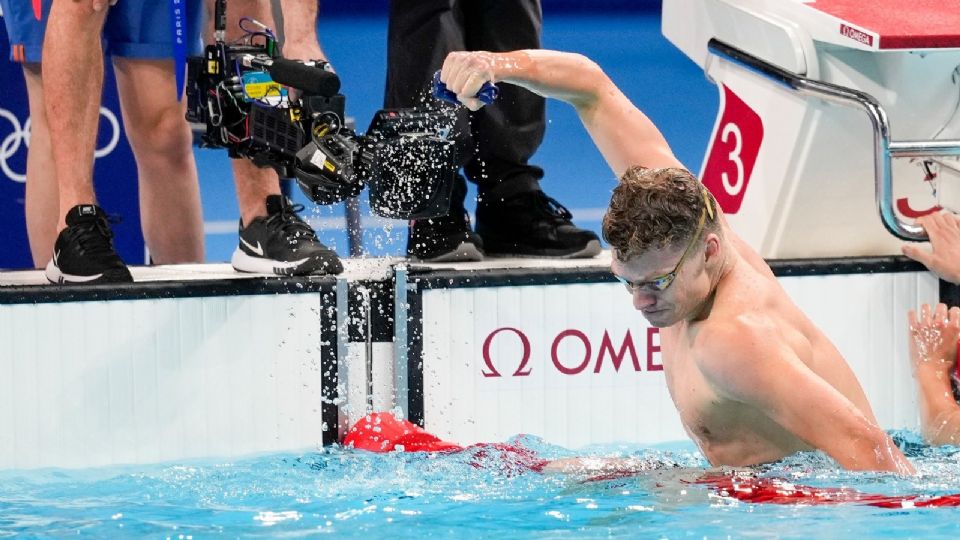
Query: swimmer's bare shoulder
{"points": [[735, 348], [750, 255]]}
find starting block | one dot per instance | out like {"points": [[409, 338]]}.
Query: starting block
{"points": [[838, 118]]}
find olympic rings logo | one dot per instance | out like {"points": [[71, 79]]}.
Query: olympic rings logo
{"points": [[10, 144]]}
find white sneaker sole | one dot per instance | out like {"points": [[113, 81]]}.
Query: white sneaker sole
{"points": [[54, 275], [255, 265]]}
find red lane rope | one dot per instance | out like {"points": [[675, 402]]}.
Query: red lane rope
{"points": [[757, 490]]}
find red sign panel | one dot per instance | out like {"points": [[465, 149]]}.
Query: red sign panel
{"points": [[734, 150]]}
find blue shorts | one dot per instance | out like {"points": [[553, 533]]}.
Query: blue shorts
{"points": [[133, 29]]}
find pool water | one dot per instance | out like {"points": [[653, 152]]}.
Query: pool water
{"points": [[346, 493]]}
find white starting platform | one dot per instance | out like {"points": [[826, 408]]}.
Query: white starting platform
{"points": [[199, 361], [837, 122]]}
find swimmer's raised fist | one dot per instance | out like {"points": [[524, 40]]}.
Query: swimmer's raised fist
{"points": [[933, 339], [464, 73], [943, 259]]}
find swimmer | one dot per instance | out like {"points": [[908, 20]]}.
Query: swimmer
{"points": [[382, 432], [754, 380]]}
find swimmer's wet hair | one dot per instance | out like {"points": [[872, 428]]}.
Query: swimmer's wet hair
{"points": [[654, 209]]}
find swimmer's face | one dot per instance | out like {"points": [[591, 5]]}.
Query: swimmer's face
{"points": [[680, 269]]}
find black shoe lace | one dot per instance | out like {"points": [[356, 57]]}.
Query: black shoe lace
{"points": [[550, 207], [293, 227], [96, 238]]}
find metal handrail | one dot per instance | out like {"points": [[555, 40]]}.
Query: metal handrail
{"points": [[883, 149]]}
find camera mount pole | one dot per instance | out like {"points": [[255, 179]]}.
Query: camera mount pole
{"points": [[220, 21]]}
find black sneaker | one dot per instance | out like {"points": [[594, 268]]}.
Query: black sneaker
{"points": [[444, 239], [532, 224], [282, 243], [84, 251]]}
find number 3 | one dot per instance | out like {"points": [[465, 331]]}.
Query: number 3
{"points": [[732, 129]]}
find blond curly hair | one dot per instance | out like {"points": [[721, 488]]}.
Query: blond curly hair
{"points": [[655, 209]]}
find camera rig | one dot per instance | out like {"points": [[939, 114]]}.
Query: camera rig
{"points": [[288, 115]]}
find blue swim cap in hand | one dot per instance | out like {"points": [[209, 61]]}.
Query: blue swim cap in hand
{"points": [[487, 94]]}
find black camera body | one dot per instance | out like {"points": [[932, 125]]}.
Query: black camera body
{"points": [[288, 115]]}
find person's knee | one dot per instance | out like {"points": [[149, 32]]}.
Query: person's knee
{"points": [[160, 134], [76, 19]]}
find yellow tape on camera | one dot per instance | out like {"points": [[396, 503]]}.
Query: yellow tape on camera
{"points": [[259, 85]]}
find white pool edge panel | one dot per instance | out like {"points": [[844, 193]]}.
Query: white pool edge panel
{"points": [[86, 384], [225, 374]]}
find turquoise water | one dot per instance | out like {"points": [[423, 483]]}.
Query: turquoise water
{"points": [[351, 494]]}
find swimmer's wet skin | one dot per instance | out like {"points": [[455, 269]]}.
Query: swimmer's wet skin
{"points": [[754, 380], [382, 432]]}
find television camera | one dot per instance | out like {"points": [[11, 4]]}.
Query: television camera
{"points": [[289, 115]]}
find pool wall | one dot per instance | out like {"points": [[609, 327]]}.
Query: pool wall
{"points": [[215, 364]]}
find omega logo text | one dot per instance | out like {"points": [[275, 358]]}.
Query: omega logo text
{"points": [[856, 35], [576, 363]]}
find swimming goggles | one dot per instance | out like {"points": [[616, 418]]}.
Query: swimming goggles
{"points": [[660, 283]]}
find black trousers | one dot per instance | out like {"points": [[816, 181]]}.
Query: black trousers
{"points": [[499, 138]]}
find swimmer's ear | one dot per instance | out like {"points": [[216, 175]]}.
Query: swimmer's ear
{"points": [[712, 248]]}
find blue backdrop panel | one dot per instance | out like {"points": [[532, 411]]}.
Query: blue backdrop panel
{"points": [[13, 162], [115, 172]]}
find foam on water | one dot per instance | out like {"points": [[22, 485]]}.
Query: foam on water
{"points": [[353, 494]]}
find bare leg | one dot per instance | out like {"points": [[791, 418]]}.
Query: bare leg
{"points": [[41, 204], [254, 184], [300, 31], [170, 210], [284, 243], [72, 68]]}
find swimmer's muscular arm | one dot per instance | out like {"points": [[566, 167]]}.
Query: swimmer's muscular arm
{"points": [[746, 360], [622, 133]]}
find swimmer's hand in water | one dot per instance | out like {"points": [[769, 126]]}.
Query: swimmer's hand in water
{"points": [[943, 259], [465, 74], [933, 353], [933, 341]]}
